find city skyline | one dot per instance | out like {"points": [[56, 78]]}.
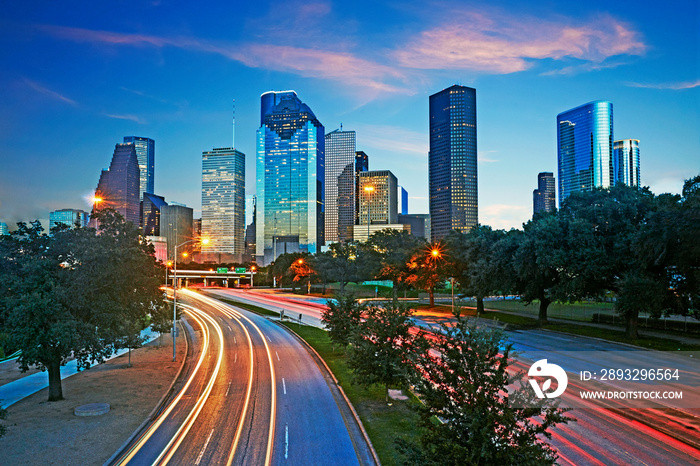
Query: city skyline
{"points": [[90, 78]]}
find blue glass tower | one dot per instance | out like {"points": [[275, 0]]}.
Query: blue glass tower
{"points": [[627, 157], [146, 157], [585, 148], [289, 177]]}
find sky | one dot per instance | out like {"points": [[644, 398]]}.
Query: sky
{"points": [[76, 77]]}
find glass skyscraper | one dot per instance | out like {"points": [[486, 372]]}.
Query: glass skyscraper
{"points": [[627, 157], [150, 214], [452, 170], [69, 217], [118, 187], [290, 176], [585, 148], [340, 187], [146, 157], [176, 225], [223, 203], [544, 197]]}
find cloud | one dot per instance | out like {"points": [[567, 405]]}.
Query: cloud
{"points": [[134, 118], [483, 157], [344, 67], [671, 86], [507, 44], [504, 216], [46, 91], [392, 139]]}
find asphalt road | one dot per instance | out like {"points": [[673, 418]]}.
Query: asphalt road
{"points": [[251, 395]]}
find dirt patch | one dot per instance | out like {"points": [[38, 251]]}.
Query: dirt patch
{"points": [[40, 432]]}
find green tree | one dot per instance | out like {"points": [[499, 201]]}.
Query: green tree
{"points": [[428, 268], [339, 264], [463, 380], [73, 292], [379, 351], [342, 318]]}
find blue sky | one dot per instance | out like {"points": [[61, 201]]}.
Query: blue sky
{"points": [[78, 76]]}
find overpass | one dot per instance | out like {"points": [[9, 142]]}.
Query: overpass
{"points": [[221, 276]]}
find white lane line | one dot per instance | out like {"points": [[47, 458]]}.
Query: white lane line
{"points": [[268, 338], [234, 340], [235, 357], [284, 386], [229, 327], [228, 389], [286, 441], [278, 356], [201, 454]]}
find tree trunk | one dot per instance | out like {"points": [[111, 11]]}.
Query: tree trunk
{"points": [[432, 297], [632, 325], [544, 304], [395, 292], [479, 305], [342, 287], [55, 388]]}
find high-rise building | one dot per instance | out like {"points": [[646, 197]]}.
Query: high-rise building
{"points": [[627, 157], [249, 255], [402, 196], [585, 148], [146, 157], [4, 230], [118, 187], [176, 225], [68, 217], [419, 223], [452, 170], [339, 203], [150, 214], [290, 177], [544, 197], [378, 199], [361, 165], [223, 204]]}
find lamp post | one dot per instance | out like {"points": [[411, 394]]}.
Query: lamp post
{"points": [[369, 190], [252, 274], [203, 241]]}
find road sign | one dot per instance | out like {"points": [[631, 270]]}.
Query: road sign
{"points": [[222, 270], [240, 269]]}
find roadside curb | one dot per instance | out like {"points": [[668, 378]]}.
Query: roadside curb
{"points": [[323, 366], [158, 406]]}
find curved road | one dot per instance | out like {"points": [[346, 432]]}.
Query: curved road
{"points": [[251, 394]]}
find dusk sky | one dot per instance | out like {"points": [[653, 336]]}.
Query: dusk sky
{"points": [[77, 77]]}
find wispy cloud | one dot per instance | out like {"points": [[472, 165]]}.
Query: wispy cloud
{"points": [[46, 91], [308, 62], [671, 86], [485, 157], [392, 139], [504, 216], [507, 44], [134, 118]]}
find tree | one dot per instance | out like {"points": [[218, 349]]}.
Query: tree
{"points": [[342, 318], [463, 380], [74, 292], [339, 264], [380, 346], [428, 268]]}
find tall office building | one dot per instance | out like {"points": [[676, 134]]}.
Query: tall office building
{"points": [[290, 177], [223, 204], [419, 223], [585, 148], [4, 230], [452, 171], [68, 217], [176, 225], [627, 158], [361, 165], [402, 196], [146, 157], [118, 187], [378, 203], [339, 203], [150, 214], [544, 197]]}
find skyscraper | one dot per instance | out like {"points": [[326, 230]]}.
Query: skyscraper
{"points": [[176, 224], [627, 158], [339, 200], [544, 197], [150, 214], [378, 203], [118, 187], [68, 217], [585, 148], [402, 196], [290, 177], [4, 230], [146, 157], [223, 204], [452, 171]]}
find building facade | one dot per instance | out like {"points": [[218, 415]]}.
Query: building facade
{"points": [[118, 187], [176, 225], [419, 223], [150, 214], [378, 198], [4, 229], [339, 201], [290, 178], [585, 148], [626, 153], [223, 204], [544, 197], [146, 157], [452, 161], [402, 196], [69, 217]]}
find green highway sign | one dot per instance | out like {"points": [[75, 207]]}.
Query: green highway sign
{"points": [[221, 270], [240, 269]]}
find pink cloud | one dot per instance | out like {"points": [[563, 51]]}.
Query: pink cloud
{"points": [[508, 45], [46, 91], [672, 86]]}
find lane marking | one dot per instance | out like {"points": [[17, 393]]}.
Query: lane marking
{"points": [[230, 329], [201, 454], [228, 389], [284, 386], [234, 340], [268, 338], [235, 357], [278, 356], [286, 441]]}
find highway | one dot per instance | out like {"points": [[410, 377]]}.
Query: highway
{"points": [[603, 434], [250, 394]]}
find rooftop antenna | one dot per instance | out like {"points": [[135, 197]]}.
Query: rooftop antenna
{"points": [[233, 141], [341, 127]]}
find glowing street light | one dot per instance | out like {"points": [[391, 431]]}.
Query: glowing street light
{"points": [[252, 274]]}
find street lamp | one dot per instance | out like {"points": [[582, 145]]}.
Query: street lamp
{"points": [[369, 190], [202, 241], [252, 274]]}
